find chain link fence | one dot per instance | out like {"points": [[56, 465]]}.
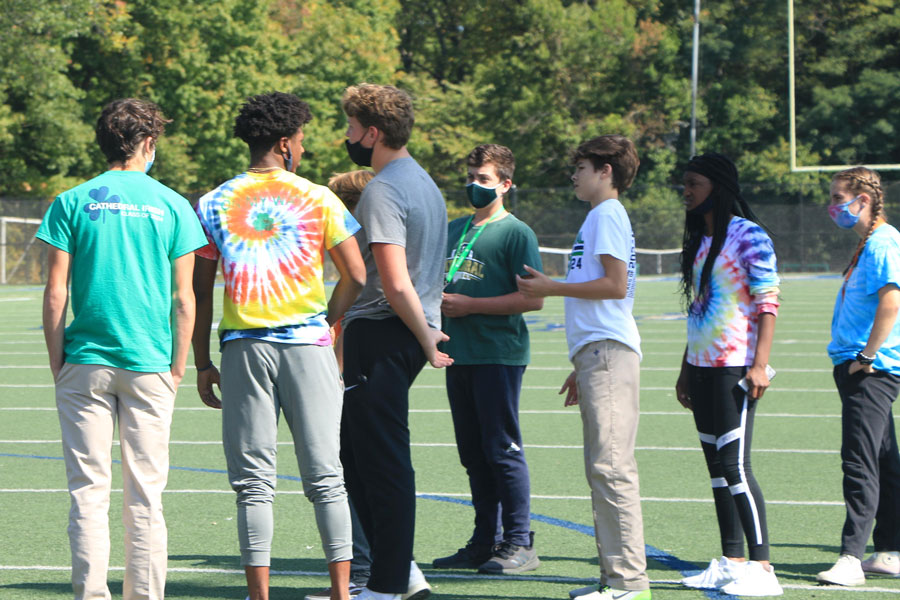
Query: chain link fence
{"points": [[805, 238]]}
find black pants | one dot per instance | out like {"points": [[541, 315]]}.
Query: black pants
{"points": [[870, 459], [484, 402], [381, 361], [723, 414]]}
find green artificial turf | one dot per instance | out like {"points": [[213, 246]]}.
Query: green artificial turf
{"points": [[796, 460]]}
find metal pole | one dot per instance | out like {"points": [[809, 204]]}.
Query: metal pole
{"points": [[695, 67], [2, 250], [791, 104]]}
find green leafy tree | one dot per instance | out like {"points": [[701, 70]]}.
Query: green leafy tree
{"points": [[43, 137]]}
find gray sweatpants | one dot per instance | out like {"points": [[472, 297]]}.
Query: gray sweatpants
{"points": [[260, 379]]}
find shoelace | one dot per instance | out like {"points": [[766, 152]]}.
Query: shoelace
{"points": [[505, 549]]}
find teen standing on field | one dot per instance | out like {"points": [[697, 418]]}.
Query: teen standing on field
{"points": [[730, 285], [865, 351], [605, 348], [489, 344], [390, 332]]}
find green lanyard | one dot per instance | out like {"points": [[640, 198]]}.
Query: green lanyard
{"points": [[462, 250]]}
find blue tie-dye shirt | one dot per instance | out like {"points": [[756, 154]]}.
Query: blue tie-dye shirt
{"points": [[854, 309], [722, 325]]}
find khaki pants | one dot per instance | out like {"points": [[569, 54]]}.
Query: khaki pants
{"points": [[90, 400], [608, 380]]}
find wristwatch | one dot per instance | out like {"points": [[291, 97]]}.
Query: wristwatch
{"points": [[863, 359]]}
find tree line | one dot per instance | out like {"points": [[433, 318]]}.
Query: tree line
{"points": [[536, 75]]}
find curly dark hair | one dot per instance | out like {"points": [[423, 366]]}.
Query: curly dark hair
{"points": [[266, 118], [124, 124]]}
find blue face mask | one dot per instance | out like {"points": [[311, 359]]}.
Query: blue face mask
{"points": [[288, 161], [841, 215], [150, 162], [479, 195]]}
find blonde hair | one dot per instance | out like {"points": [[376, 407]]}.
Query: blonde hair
{"points": [[385, 107], [862, 180], [349, 186]]}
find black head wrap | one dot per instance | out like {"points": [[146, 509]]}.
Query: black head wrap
{"points": [[718, 168]]}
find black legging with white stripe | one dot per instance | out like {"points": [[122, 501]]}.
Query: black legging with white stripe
{"points": [[723, 414]]}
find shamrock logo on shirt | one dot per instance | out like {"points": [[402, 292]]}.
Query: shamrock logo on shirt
{"points": [[95, 208]]}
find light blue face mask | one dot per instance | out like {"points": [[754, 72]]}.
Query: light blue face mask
{"points": [[150, 162], [841, 215]]}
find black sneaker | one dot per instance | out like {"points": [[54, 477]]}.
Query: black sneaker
{"points": [[469, 557], [508, 558]]}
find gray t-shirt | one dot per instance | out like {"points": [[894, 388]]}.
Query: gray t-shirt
{"points": [[402, 205]]}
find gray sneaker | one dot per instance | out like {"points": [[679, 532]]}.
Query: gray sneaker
{"points": [[471, 556], [508, 559]]}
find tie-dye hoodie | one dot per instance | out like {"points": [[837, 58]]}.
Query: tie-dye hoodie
{"points": [[744, 283], [271, 230]]}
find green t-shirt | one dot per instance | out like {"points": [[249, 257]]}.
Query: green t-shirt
{"points": [[490, 270], [123, 230]]}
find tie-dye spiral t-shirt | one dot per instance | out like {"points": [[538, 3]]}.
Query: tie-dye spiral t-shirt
{"points": [[271, 230], [722, 325]]}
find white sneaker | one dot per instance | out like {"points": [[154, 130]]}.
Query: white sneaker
{"points": [[756, 580], [718, 573], [882, 563], [355, 590], [368, 594], [846, 571], [584, 591], [418, 589], [604, 592]]}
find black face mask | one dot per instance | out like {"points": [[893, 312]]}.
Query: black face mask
{"points": [[358, 154], [704, 207]]}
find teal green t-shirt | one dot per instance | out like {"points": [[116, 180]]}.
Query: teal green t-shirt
{"points": [[123, 230], [490, 270]]}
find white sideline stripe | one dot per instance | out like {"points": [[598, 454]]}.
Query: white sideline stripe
{"points": [[530, 368], [775, 390], [453, 445], [450, 495], [432, 574], [652, 353], [572, 412]]}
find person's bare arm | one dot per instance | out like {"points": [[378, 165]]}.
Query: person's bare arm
{"points": [[352, 270], [390, 259], [183, 312], [612, 286], [56, 302], [757, 380], [515, 303], [204, 280], [681, 384]]}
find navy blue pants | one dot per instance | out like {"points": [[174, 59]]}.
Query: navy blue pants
{"points": [[381, 361], [484, 401], [723, 414], [870, 459]]}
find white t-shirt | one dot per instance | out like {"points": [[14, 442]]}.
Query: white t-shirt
{"points": [[606, 230]]}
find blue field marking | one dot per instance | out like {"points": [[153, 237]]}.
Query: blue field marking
{"points": [[660, 556], [116, 461], [38, 456]]}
